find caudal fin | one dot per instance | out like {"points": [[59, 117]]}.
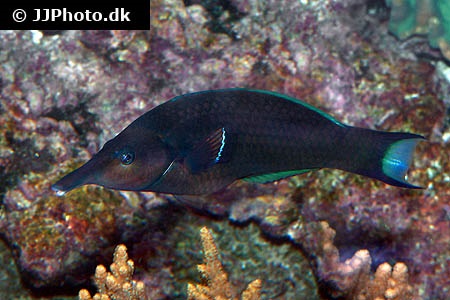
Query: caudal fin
{"points": [[385, 156], [396, 161]]}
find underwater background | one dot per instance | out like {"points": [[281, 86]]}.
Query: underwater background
{"points": [[321, 235]]}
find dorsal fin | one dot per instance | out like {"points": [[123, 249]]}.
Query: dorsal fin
{"points": [[264, 178], [297, 101], [208, 151]]}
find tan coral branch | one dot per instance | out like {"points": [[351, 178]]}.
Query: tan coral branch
{"points": [[217, 285], [117, 284]]}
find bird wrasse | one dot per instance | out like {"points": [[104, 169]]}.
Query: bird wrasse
{"points": [[201, 142]]}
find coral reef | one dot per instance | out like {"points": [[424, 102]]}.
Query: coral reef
{"points": [[117, 284], [217, 285], [390, 282], [426, 17], [351, 279], [64, 95], [47, 230], [245, 255], [10, 284]]}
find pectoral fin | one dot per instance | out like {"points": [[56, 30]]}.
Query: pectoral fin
{"points": [[208, 152]]}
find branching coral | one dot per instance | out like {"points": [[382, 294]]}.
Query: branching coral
{"points": [[388, 283], [117, 284], [351, 279], [217, 285]]}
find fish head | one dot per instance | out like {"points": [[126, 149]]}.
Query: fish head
{"points": [[131, 161]]}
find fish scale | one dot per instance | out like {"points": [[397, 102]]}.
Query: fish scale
{"points": [[201, 142]]}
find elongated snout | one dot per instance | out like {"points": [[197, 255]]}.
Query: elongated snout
{"points": [[76, 178]]}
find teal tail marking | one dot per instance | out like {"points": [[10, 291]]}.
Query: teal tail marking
{"points": [[398, 158], [382, 155]]}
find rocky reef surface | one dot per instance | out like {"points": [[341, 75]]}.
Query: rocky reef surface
{"points": [[64, 94]]}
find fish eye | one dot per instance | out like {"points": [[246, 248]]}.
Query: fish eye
{"points": [[126, 157]]}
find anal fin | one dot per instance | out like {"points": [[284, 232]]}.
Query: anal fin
{"points": [[264, 178]]}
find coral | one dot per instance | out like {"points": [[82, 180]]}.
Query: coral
{"points": [[217, 285], [117, 284], [244, 253], [351, 279], [45, 136], [10, 287], [57, 235], [388, 282], [430, 17]]}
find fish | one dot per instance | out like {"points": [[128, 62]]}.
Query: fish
{"points": [[201, 142]]}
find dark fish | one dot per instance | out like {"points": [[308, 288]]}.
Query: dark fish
{"points": [[201, 142]]}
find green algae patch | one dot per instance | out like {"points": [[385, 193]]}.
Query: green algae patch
{"points": [[426, 17]]}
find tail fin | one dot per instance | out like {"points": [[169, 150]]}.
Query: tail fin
{"points": [[385, 156], [397, 159]]}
